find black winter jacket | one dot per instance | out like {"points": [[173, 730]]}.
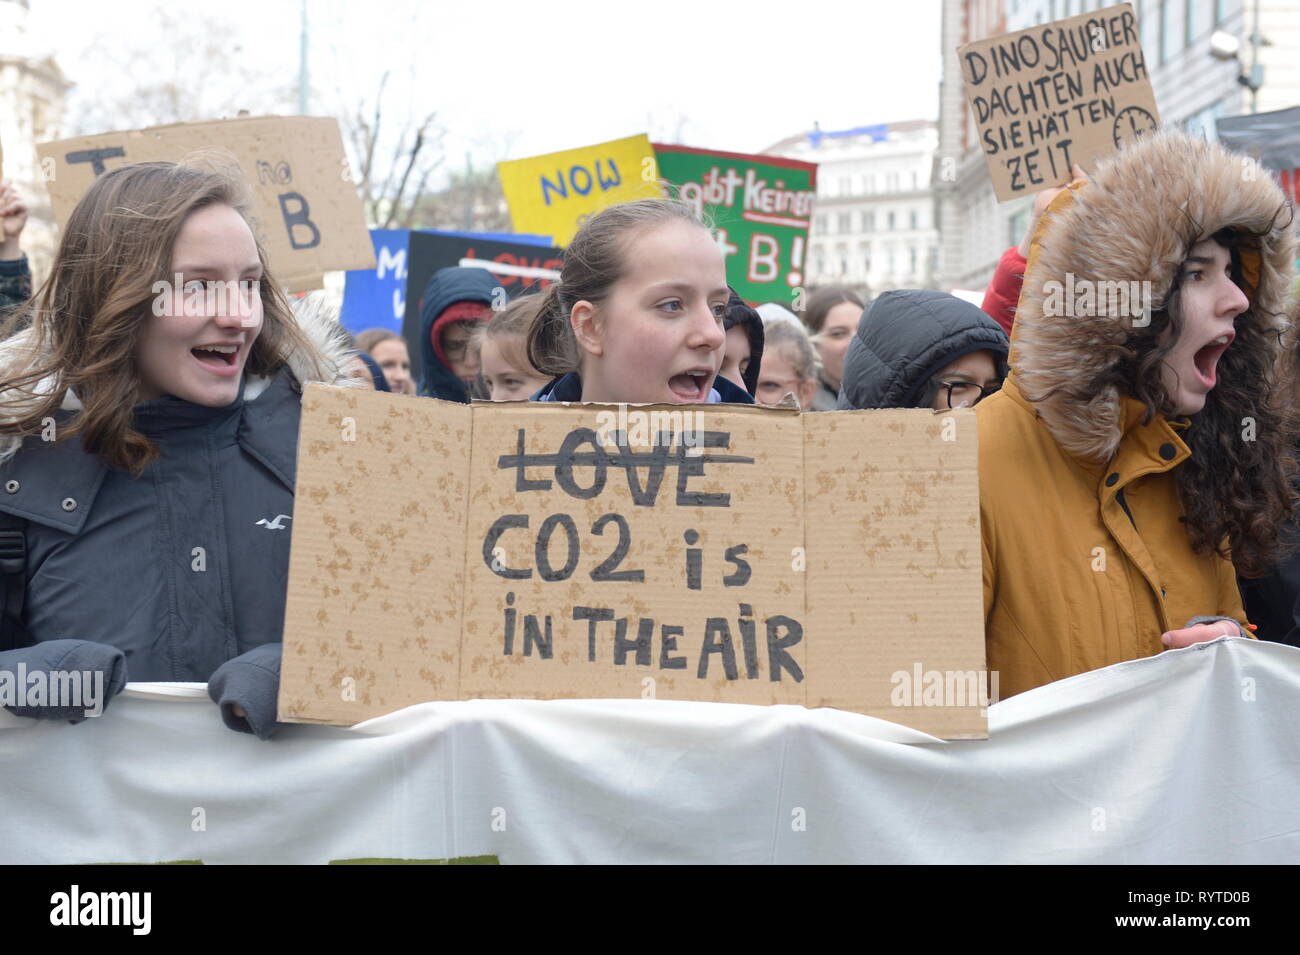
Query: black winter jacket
{"points": [[904, 339], [181, 572]]}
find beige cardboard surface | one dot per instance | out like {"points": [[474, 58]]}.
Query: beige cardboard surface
{"points": [[376, 570], [308, 215], [1071, 91], [894, 567], [747, 531], [520, 550]]}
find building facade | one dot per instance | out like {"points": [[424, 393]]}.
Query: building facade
{"points": [[873, 228], [32, 92], [1192, 89]]}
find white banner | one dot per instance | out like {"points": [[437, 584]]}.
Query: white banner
{"points": [[1188, 757]]}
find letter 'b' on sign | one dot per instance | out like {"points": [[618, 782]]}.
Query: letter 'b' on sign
{"points": [[295, 211]]}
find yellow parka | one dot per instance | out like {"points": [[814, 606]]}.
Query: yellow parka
{"points": [[1085, 561]]}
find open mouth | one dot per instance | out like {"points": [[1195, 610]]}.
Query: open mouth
{"points": [[218, 358], [1207, 358], [691, 385]]}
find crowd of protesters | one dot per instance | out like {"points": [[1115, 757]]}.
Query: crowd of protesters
{"points": [[1113, 431]]}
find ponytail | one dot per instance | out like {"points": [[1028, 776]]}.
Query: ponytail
{"points": [[552, 348]]}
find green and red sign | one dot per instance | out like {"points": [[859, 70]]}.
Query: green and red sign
{"points": [[761, 207]]}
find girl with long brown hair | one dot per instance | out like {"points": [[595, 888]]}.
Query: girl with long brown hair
{"points": [[149, 407]]}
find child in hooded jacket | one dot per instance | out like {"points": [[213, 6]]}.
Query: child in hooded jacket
{"points": [[456, 302]]}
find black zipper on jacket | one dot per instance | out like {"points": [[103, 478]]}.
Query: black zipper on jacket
{"points": [[1119, 496]]}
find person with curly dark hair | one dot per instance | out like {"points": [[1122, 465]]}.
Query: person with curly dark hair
{"points": [[1140, 446]]}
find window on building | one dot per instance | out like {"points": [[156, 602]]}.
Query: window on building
{"points": [[819, 224], [846, 186], [912, 219], [868, 221], [915, 180], [1202, 122], [1219, 12], [1147, 29], [864, 253], [889, 221], [911, 260], [1189, 22], [1016, 226], [846, 223]]}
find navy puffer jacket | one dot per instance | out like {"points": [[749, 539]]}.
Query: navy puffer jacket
{"points": [[173, 575]]}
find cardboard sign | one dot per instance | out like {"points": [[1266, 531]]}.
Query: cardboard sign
{"points": [[1072, 91], [553, 194], [517, 265], [762, 209], [710, 553], [308, 216], [376, 298]]}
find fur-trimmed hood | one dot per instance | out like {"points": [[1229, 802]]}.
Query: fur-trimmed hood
{"points": [[316, 319], [1134, 222]]}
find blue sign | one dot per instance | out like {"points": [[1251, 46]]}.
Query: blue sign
{"points": [[376, 298]]}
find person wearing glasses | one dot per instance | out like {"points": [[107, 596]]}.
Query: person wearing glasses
{"points": [[456, 301], [917, 348]]}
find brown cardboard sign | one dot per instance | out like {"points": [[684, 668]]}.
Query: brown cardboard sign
{"points": [[308, 215], [720, 553], [1071, 91]]}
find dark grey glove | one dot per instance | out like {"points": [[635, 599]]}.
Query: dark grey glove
{"points": [[1196, 620], [251, 680], [61, 679]]}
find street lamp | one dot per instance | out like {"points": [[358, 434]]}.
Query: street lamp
{"points": [[1225, 46]]}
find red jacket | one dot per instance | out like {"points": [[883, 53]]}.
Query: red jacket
{"points": [[1003, 293]]}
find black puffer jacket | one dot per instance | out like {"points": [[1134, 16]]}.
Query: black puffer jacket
{"points": [[904, 339]]}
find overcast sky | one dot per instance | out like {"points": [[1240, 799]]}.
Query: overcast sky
{"points": [[510, 79]]}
